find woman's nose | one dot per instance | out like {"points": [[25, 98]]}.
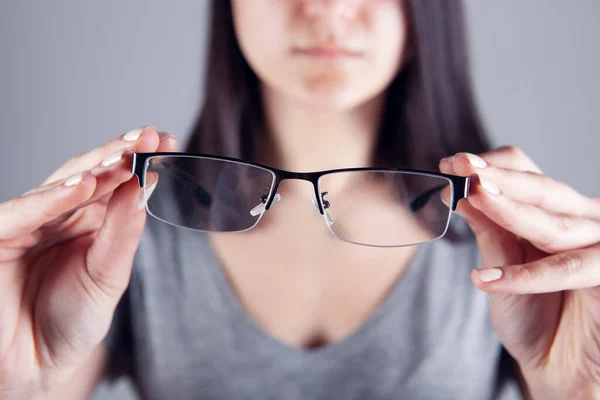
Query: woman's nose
{"points": [[331, 9]]}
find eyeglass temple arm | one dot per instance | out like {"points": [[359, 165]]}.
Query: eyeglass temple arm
{"points": [[461, 187], [421, 200]]}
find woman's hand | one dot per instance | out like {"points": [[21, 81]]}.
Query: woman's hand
{"points": [[66, 251], [540, 245]]}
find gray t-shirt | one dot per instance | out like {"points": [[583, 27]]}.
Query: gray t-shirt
{"points": [[180, 333]]}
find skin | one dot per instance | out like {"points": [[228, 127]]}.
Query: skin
{"points": [[65, 261], [66, 251], [277, 270], [543, 238]]}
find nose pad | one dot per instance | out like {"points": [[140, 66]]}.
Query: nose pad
{"points": [[326, 216], [259, 209]]}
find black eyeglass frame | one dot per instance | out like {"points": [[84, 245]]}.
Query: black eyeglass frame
{"points": [[459, 184]]}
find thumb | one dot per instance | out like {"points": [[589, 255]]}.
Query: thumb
{"points": [[79, 300], [110, 257]]}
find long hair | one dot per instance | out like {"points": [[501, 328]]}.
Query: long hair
{"points": [[429, 113]]}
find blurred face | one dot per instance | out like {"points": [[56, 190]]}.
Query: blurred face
{"points": [[326, 54]]}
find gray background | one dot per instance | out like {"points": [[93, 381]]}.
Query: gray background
{"points": [[74, 74]]}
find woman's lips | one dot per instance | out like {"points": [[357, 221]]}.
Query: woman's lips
{"points": [[327, 52]]}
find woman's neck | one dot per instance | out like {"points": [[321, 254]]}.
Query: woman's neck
{"points": [[300, 138]]}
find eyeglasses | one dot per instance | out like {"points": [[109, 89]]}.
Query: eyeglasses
{"points": [[365, 206]]}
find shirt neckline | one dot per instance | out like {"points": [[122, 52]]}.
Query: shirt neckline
{"points": [[349, 343]]}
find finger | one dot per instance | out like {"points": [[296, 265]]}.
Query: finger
{"points": [[116, 168], [11, 253], [547, 231], [27, 213], [569, 211], [94, 273], [572, 270], [112, 172], [168, 143], [110, 256], [497, 245], [536, 189], [509, 157], [51, 204], [98, 157], [114, 162], [132, 139]]}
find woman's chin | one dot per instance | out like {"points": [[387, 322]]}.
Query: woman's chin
{"points": [[333, 96], [331, 100]]}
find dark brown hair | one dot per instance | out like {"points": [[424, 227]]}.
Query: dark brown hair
{"points": [[430, 111]]}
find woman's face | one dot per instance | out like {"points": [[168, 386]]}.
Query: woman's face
{"points": [[327, 54]]}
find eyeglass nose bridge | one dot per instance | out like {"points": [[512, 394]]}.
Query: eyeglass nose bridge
{"points": [[312, 177]]}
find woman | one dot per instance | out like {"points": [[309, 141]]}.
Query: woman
{"points": [[287, 310]]}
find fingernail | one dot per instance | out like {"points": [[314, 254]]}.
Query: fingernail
{"points": [[133, 134], [114, 158], [488, 186], [166, 137], [489, 274], [448, 159], [476, 161], [74, 180]]}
